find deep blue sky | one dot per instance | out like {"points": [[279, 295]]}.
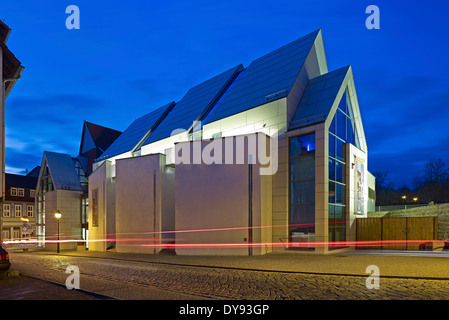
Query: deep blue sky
{"points": [[130, 57]]}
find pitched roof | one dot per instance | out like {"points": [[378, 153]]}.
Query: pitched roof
{"points": [[195, 105], [267, 78], [100, 136], [62, 171], [138, 130], [20, 181], [318, 98], [34, 172]]}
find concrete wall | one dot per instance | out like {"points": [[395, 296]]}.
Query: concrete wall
{"points": [[212, 205], [269, 118], [103, 227], [69, 204], [144, 203]]}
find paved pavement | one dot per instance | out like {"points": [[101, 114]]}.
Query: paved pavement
{"points": [[404, 275], [393, 264]]}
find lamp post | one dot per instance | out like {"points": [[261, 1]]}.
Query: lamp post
{"points": [[58, 216]]}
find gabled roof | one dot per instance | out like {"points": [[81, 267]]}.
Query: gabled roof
{"points": [[318, 98], [34, 172], [139, 130], [95, 136], [62, 171], [195, 105], [267, 78], [19, 181]]}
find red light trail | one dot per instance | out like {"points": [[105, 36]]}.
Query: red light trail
{"points": [[168, 242]]}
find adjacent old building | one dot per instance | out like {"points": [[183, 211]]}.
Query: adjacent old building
{"points": [[19, 218], [10, 72]]}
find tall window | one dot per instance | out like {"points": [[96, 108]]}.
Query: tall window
{"points": [[302, 190], [341, 131], [18, 210], [30, 210], [45, 185], [6, 210]]}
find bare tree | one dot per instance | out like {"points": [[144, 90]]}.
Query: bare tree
{"points": [[433, 185], [436, 171]]}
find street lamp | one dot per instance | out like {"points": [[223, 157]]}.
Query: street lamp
{"points": [[415, 199], [58, 216]]}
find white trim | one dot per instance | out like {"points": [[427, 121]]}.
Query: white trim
{"points": [[6, 205]]}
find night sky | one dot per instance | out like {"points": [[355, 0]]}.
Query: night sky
{"points": [[130, 57]]}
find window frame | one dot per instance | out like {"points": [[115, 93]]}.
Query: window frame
{"points": [[28, 211], [15, 210], [311, 231], [8, 205]]}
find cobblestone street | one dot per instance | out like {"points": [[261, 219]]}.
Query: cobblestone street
{"points": [[122, 279]]}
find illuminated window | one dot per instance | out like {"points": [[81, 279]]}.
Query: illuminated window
{"points": [[30, 210], [341, 131], [7, 210], [302, 190], [18, 210]]}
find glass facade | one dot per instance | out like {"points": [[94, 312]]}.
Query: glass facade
{"points": [[45, 185], [302, 190], [341, 131]]}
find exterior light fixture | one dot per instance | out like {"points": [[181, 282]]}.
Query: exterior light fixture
{"points": [[58, 217], [415, 199]]}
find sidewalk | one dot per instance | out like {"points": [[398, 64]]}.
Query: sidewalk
{"points": [[400, 264]]}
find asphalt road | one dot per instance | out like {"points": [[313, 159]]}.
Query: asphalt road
{"points": [[139, 280]]}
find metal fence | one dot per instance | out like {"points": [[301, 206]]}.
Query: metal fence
{"points": [[399, 207]]}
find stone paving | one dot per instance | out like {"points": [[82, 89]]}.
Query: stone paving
{"points": [[223, 282]]}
